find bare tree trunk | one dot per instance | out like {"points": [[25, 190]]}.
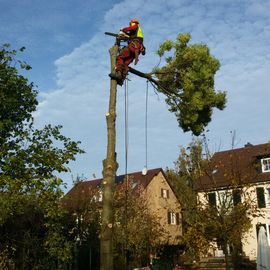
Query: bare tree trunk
{"points": [[109, 173], [226, 254]]}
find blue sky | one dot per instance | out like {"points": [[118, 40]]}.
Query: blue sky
{"points": [[68, 51]]}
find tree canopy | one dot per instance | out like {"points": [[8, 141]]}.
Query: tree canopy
{"points": [[187, 80], [32, 235], [17, 96]]}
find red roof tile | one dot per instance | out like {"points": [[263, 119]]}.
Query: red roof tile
{"points": [[137, 177], [241, 165]]}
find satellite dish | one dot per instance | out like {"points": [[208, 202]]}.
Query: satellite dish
{"points": [[144, 171]]}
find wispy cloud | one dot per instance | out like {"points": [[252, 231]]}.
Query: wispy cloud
{"points": [[237, 33]]}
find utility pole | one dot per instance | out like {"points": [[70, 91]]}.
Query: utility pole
{"points": [[110, 166]]}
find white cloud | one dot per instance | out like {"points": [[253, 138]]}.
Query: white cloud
{"points": [[259, 9]]}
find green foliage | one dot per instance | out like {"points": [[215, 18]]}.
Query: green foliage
{"points": [[84, 222], [35, 155], [188, 168], [32, 226], [187, 80], [17, 96], [32, 221], [165, 46], [138, 230]]}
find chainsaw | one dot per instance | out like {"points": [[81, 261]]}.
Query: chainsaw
{"points": [[121, 35]]}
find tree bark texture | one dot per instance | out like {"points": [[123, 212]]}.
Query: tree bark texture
{"points": [[109, 173]]}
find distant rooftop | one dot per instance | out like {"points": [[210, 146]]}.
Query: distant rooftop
{"points": [[139, 177], [242, 164]]}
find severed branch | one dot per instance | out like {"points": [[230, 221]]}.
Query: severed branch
{"points": [[144, 75], [149, 77]]}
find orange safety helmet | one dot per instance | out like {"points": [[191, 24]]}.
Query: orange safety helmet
{"points": [[133, 22]]}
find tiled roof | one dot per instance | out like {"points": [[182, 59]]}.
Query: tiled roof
{"points": [[240, 166], [137, 177]]}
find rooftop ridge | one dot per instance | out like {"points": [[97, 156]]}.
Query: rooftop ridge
{"points": [[243, 148], [129, 174]]}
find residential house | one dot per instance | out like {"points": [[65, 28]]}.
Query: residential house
{"points": [[247, 167], [154, 187]]}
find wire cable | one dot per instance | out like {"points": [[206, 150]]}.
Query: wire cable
{"points": [[126, 171], [126, 126], [146, 125]]}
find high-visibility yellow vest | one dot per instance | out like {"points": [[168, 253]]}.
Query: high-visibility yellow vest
{"points": [[139, 32]]}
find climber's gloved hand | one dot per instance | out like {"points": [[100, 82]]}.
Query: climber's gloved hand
{"points": [[121, 33]]}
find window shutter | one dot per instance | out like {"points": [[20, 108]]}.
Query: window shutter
{"points": [[167, 193], [177, 218], [260, 197], [212, 199], [162, 193], [169, 217], [236, 197]]}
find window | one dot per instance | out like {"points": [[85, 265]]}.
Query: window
{"points": [[225, 199], [236, 197], [260, 197], [265, 164], [212, 199], [134, 184], [173, 218], [267, 230], [164, 193], [221, 199], [263, 197], [98, 197]]}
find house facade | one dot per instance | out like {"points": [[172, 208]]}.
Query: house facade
{"points": [[162, 201], [154, 188], [245, 169]]}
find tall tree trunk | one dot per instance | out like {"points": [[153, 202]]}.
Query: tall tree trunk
{"points": [[109, 173], [226, 254]]}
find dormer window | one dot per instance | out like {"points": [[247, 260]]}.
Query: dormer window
{"points": [[134, 184], [265, 164]]}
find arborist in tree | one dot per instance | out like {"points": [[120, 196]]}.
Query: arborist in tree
{"points": [[134, 35]]}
